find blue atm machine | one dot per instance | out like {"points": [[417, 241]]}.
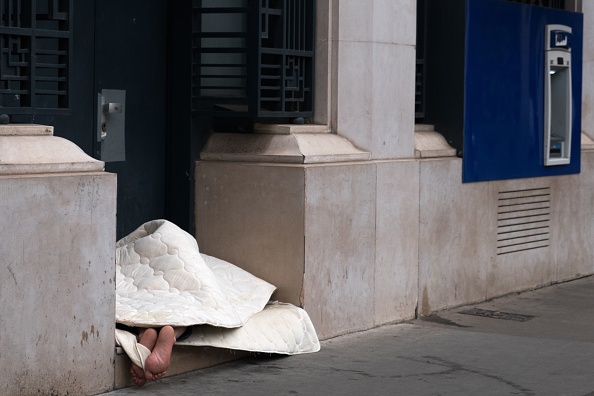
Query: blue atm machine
{"points": [[504, 86]]}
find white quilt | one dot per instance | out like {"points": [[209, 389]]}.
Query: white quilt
{"points": [[163, 279]]}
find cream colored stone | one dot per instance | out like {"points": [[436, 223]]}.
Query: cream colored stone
{"points": [[373, 88], [385, 27], [339, 247], [43, 154], [376, 111], [396, 241], [393, 101], [588, 99], [57, 286], [252, 147], [458, 258], [26, 130], [293, 148], [588, 49], [319, 148], [354, 91], [252, 215], [456, 234], [431, 145], [588, 70], [587, 142], [424, 128], [572, 228], [257, 216], [355, 20], [287, 129], [385, 237]]}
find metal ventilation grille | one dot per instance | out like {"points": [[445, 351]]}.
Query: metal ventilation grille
{"points": [[523, 219]]}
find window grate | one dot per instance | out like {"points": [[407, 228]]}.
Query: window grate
{"points": [[523, 220], [420, 89], [253, 58], [35, 47]]}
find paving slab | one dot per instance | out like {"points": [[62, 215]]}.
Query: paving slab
{"points": [[533, 343]]}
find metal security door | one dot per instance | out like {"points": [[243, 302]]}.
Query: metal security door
{"points": [[131, 57]]}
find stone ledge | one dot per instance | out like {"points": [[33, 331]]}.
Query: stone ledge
{"points": [[26, 130], [296, 148], [39, 152], [287, 129], [587, 142], [431, 144]]}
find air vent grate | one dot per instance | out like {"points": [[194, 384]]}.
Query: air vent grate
{"points": [[523, 218]]}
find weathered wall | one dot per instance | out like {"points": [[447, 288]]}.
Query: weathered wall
{"points": [[588, 69], [57, 290], [339, 239], [371, 242], [458, 260], [373, 75]]}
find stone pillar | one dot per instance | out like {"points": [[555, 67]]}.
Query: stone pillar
{"points": [[57, 266], [293, 205], [588, 70], [309, 212], [329, 213], [372, 74]]}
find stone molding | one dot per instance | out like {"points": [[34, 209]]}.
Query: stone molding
{"points": [[296, 144], [587, 142], [33, 149], [431, 144]]}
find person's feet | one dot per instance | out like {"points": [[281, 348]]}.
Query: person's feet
{"points": [[148, 338], [137, 374], [157, 363]]}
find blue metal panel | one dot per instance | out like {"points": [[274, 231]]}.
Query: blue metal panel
{"points": [[504, 88]]}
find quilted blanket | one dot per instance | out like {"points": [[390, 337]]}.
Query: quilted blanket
{"points": [[163, 279]]}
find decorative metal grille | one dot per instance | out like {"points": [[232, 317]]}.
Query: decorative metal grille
{"points": [[35, 43], [253, 57], [420, 89]]}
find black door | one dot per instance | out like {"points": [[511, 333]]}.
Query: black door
{"points": [[131, 54], [56, 58]]}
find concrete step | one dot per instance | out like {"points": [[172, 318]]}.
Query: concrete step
{"points": [[184, 359]]}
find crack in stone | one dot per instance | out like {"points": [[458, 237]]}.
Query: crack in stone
{"points": [[454, 367]]}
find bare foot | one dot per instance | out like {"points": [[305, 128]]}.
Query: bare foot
{"points": [[137, 375], [148, 338], [157, 363]]}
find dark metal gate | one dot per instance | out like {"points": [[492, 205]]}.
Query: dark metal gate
{"points": [[253, 58], [35, 45]]}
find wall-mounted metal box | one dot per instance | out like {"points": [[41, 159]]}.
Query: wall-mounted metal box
{"points": [[557, 95], [491, 91]]}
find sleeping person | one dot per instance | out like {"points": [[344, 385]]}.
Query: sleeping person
{"points": [[159, 344]]}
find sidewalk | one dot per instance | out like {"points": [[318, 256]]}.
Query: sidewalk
{"points": [[546, 348]]}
